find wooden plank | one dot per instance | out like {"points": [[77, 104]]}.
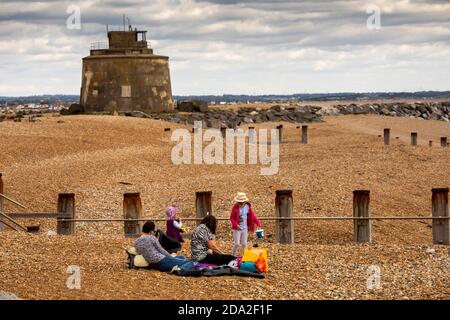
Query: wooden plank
{"points": [[132, 209], [441, 230], [66, 204], [11, 200], [9, 220], [10, 225], [362, 227], [203, 204], [283, 208]]}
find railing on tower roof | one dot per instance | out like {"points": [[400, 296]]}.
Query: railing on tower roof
{"points": [[99, 45]]}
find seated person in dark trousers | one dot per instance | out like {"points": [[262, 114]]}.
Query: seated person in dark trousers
{"points": [[203, 247], [158, 258]]}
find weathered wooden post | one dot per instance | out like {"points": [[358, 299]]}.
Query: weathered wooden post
{"points": [[387, 136], [66, 205], [132, 209], [414, 138], [444, 142], [441, 230], [283, 209], [280, 133], [430, 143], [166, 129], [203, 204], [361, 200], [304, 134], [251, 135], [2, 226], [223, 130]]}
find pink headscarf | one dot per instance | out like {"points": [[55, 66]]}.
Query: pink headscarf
{"points": [[171, 212]]}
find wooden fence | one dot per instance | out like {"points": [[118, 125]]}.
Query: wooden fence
{"points": [[414, 139], [66, 217]]}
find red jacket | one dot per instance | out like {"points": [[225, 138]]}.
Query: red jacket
{"points": [[252, 219]]}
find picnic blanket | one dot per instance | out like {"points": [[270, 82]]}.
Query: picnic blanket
{"points": [[217, 272], [199, 270]]}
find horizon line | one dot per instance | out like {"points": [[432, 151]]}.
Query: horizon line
{"points": [[252, 94]]}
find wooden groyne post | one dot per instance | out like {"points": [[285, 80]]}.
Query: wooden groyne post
{"points": [[203, 204], [444, 142], [362, 229], [132, 209], [251, 135], [280, 133], [223, 130], [304, 134], [441, 230], [284, 209], [430, 143], [414, 138], [66, 205], [387, 136]]}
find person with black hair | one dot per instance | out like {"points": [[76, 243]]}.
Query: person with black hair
{"points": [[204, 248], [158, 258]]}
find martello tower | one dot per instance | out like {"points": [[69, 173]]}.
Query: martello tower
{"points": [[125, 75]]}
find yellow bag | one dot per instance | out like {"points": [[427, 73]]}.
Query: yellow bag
{"points": [[252, 255]]}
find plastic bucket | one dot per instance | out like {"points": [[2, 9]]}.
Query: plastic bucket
{"points": [[260, 233]]}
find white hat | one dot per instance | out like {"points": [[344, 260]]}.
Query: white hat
{"points": [[241, 197]]}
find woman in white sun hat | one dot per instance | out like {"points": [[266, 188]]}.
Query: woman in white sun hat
{"points": [[243, 220]]}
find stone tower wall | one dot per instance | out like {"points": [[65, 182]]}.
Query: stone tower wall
{"points": [[126, 83]]}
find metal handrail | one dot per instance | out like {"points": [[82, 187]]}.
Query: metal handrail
{"points": [[99, 45], [103, 45], [260, 218]]}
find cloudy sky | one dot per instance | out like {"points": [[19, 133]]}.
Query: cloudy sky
{"points": [[251, 46]]}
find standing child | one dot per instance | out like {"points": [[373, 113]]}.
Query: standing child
{"points": [[243, 219], [174, 225]]}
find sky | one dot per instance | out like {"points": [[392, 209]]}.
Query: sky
{"points": [[237, 47]]}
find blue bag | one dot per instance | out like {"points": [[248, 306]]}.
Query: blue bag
{"points": [[248, 266]]}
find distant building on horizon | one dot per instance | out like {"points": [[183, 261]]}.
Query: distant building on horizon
{"points": [[125, 75]]}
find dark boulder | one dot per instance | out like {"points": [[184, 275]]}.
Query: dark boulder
{"points": [[74, 108], [192, 106]]}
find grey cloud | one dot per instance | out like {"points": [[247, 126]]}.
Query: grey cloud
{"points": [[226, 32]]}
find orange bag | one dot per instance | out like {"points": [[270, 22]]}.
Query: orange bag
{"points": [[261, 264]]}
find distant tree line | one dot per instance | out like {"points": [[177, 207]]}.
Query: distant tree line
{"points": [[40, 99], [254, 98], [321, 96]]}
